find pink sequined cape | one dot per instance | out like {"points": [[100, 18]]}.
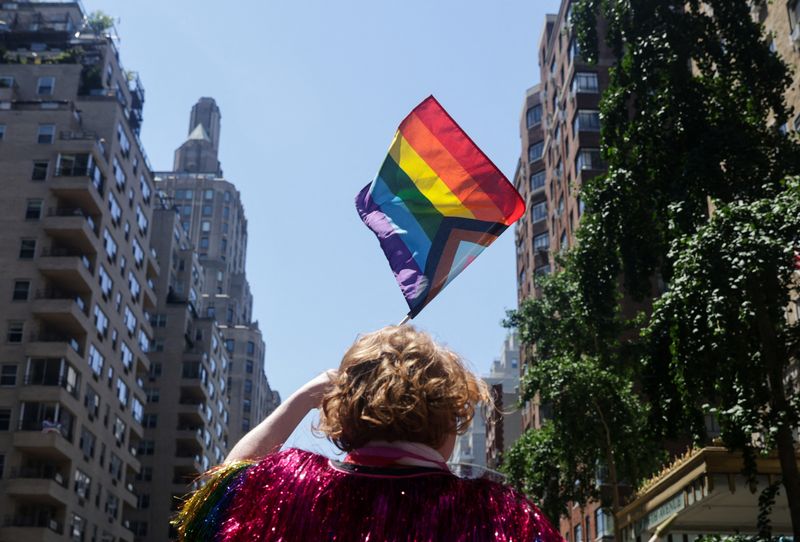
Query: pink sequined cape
{"points": [[297, 495]]}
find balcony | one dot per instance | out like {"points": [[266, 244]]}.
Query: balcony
{"points": [[46, 345], [149, 300], [69, 315], [51, 445], [81, 191], [32, 527], [72, 226], [69, 268], [186, 469], [65, 348], [190, 414], [189, 438], [40, 484], [59, 391]]}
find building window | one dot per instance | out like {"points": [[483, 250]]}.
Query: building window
{"points": [[5, 420], [96, 361], [124, 143], [245, 424], [563, 245], [535, 151], [39, 172], [45, 86], [8, 374], [116, 210], [537, 181], [578, 533], [207, 210], [122, 392], [6, 81], [141, 220], [146, 447], [2, 132], [119, 174], [205, 226], [585, 82], [574, 50], [539, 212], [204, 242], [27, 249], [153, 395], [588, 159], [603, 523], [46, 133], [586, 121], [100, 321], [248, 386], [33, 209], [533, 116], [14, 331], [251, 348], [21, 290], [150, 421], [248, 366], [541, 242]]}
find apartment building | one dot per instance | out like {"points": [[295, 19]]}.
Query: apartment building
{"points": [[212, 214], [77, 275], [504, 421], [560, 150], [186, 416]]}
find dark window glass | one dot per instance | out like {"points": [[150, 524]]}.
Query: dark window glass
{"points": [[14, 333], [21, 290], [5, 420], [27, 249], [8, 374], [33, 210], [39, 170]]}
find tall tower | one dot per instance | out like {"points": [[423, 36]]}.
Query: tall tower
{"points": [[213, 216], [199, 153], [206, 113]]}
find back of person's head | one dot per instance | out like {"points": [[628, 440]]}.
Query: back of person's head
{"points": [[397, 384]]}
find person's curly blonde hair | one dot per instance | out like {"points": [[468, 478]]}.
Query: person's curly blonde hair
{"points": [[398, 384]]}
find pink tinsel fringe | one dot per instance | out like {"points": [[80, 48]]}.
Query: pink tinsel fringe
{"points": [[296, 496]]}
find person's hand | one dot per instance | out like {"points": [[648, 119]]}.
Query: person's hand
{"points": [[313, 390]]}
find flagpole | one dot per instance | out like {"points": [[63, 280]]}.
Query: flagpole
{"points": [[405, 320]]}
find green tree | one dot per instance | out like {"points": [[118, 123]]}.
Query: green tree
{"points": [[99, 21], [724, 320], [598, 420], [693, 113]]}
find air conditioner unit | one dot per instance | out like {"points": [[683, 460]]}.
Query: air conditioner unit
{"points": [[58, 478]]}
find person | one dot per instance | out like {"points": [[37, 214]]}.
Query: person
{"points": [[395, 405]]}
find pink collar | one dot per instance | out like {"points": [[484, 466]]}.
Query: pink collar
{"points": [[380, 453]]}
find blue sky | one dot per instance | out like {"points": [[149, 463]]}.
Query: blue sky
{"points": [[311, 92]]}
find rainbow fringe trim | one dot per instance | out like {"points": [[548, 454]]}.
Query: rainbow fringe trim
{"points": [[201, 515]]}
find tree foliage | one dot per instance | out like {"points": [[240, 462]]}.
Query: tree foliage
{"points": [[685, 315]]}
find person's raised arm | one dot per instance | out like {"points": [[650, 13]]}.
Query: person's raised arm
{"points": [[269, 435]]}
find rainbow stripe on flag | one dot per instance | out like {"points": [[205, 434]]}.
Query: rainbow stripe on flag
{"points": [[436, 203]]}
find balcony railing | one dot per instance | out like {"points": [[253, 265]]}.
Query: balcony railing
{"points": [[41, 472], [60, 252], [34, 520], [61, 295], [44, 337], [74, 211], [61, 382]]}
